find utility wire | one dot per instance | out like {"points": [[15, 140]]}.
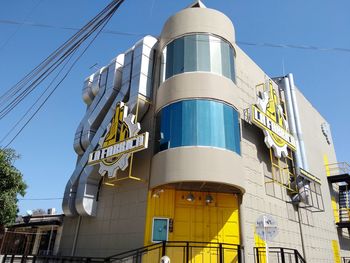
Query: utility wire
{"points": [[64, 77], [24, 87], [40, 199], [64, 49], [246, 43], [19, 26]]}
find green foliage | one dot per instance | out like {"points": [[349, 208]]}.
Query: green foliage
{"points": [[11, 184]]}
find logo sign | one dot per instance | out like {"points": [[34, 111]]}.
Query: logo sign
{"points": [[119, 142], [266, 227], [269, 115]]}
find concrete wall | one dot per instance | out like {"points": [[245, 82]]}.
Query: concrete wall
{"points": [[316, 148], [318, 228]]}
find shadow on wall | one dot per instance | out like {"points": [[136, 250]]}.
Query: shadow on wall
{"points": [[256, 136]]}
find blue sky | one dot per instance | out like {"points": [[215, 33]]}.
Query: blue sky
{"points": [[47, 156]]}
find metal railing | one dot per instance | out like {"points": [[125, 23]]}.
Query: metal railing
{"points": [[182, 252], [278, 255], [177, 251], [338, 168], [48, 259]]}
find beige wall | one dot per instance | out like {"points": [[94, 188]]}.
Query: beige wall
{"points": [[318, 228]]}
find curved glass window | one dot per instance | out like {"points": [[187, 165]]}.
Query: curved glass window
{"points": [[198, 123], [199, 52]]}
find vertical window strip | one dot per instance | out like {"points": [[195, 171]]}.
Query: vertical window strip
{"points": [[163, 64]]}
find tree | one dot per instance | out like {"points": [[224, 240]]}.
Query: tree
{"points": [[11, 184]]}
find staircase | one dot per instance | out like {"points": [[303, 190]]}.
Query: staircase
{"points": [[344, 204]]}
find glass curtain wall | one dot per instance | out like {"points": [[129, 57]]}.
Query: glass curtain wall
{"points": [[198, 52], [198, 122]]}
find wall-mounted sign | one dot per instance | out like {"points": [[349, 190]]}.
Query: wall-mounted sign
{"points": [[266, 227], [119, 142], [269, 115]]}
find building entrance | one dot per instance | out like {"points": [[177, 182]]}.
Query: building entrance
{"points": [[201, 217]]}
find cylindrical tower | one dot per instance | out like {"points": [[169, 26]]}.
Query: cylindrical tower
{"points": [[198, 130], [197, 167]]}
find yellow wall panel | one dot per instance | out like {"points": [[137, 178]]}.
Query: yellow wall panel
{"points": [[260, 243], [197, 221], [336, 252]]}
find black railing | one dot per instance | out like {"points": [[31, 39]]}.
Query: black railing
{"points": [[177, 251], [182, 252], [48, 259], [278, 254], [345, 260]]}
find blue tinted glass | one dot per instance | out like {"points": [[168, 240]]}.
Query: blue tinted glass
{"points": [[178, 56], [169, 60], [204, 128], [237, 133], [232, 64], [190, 55], [176, 122], [199, 52], [229, 120], [189, 136], [203, 53], [198, 122]]}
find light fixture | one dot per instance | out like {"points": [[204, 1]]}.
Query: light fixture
{"points": [[157, 193], [190, 197], [208, 199]]}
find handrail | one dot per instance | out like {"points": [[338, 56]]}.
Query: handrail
{"points": [[338, 168], [188, 248], [285, 255]]}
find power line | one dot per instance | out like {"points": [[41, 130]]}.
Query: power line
{"points": [[40, 199], [246, 43], [19, 26], [23, 88]]}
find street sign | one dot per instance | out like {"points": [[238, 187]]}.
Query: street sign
{"points": [[266, 227]]}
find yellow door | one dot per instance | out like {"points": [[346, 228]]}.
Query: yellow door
{"points": [[198, 221], [216, 222]]}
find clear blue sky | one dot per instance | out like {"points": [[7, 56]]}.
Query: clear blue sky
{"points": [[47, 156]]}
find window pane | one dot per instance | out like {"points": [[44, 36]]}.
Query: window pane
{"points": [[215, 55], [169, 60], [232, 65], [198, 122], [203, 54], [225, 59], [198, 52], [190, 49], [229, 123], [204, 132], [176, 124], [178, 56]]}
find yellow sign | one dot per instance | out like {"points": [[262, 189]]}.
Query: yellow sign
{"points": [[269, 115], [119, 142]]}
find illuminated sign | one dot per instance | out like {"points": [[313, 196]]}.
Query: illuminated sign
{"points": [[269, 115], [119, 142]]}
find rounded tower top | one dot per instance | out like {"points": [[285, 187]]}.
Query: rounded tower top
{"points": [[197, 19]]}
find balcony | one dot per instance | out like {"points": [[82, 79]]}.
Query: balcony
{"points": [[339, 174]]}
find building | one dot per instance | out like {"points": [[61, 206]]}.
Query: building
{"points": [[33, 235], [186, 139]]}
